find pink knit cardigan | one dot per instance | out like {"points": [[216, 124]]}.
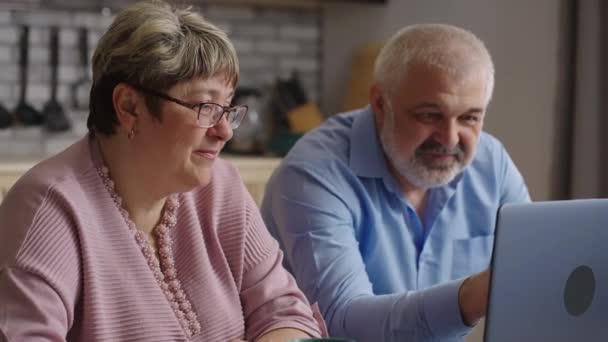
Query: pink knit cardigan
{"points": [[70, 268]]}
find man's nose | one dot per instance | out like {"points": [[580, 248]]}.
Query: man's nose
{"points": [[448, 134]]}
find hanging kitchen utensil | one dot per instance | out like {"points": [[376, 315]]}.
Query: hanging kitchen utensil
{"points": [[6, 119], [81, 87], [56, 120], [24, 112], [296, 88], [286, 98]]}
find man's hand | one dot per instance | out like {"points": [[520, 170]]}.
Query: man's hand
{"points": [[473, 297]]}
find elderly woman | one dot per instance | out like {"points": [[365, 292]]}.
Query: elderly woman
{"points": [[139, 231]]}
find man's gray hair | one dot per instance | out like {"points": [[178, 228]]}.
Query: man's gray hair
{"points": [[449, 48]]}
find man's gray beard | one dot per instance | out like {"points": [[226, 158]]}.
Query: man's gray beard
{"points": [[414, 169]]}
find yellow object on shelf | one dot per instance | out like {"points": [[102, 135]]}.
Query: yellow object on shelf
{"points": [[304, 118], [361, 75]]}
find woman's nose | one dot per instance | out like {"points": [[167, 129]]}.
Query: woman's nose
{"points": [[222, 130]]}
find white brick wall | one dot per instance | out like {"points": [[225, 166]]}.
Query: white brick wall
{"points": [[8, 35], [229, 12], [5, 17], [6, 90], [255, 30], [89, 20], [280, 15], [45, 18], [8, 73], [301, 64], [37, 73], [243, 46], [38, 36], [38, 54], [270, 42], [68, 37], [304, 32], [37, 92], [6, 53], [276, 47]]}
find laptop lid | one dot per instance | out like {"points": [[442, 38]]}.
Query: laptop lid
{"points": [[549, 278]]}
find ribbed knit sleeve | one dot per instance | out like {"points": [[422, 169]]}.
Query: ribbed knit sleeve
{"points": [[258, 244], [50, 249], [270, 296], [39, 273]]}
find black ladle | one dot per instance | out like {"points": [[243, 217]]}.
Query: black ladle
{"points": [[81, 87], [56, 120], [24, 112], [6, 119]]}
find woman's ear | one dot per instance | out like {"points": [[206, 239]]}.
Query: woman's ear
{"points": [[126, 101]]}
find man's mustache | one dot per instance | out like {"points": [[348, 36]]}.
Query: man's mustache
{"points": [[433, 146]]}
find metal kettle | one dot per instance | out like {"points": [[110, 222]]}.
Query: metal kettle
{"points": [[252, 134]]}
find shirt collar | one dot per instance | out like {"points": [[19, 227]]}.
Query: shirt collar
{"points": [[366, 153]]}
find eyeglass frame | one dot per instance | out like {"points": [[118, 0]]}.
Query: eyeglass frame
{"points": [[225, 109]]}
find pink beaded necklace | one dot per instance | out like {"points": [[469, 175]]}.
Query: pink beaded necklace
{"points": [[164, 270]]}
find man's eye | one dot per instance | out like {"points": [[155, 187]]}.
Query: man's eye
{"points": [[470, 119], [429, 117]]}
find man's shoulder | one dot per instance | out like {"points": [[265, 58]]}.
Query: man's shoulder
{"points": [[326, 144], [490, 150], [490, 160], [489, 143], [320, 160]]}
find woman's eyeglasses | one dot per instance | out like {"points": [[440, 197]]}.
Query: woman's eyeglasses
{"points": [[209, 113]]}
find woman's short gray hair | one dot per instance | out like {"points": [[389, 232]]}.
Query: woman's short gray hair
{"points": [[156, 45], [449, 48]]}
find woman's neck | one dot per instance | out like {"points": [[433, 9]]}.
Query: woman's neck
{"points": [[131, 184]]}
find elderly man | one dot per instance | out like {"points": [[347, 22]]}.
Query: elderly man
{"points": [[386, 214]]}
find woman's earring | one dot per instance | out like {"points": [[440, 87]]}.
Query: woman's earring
{"points": [[132, 133]]}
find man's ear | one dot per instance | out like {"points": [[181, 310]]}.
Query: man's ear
{"points": [[377, 101], [126, 100]]}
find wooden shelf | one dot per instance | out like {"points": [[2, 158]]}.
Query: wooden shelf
{"points": [[254, 171]]}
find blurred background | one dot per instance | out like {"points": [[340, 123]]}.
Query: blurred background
{"points": [[304, 60]]}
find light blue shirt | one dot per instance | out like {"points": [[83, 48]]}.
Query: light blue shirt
{"points": [[358, 248]]}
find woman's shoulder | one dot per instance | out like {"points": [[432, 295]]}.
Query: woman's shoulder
{"points": [[40, 204], [68, 166], [46, 187]]}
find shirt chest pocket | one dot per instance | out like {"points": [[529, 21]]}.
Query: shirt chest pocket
{"points": [[471, 255]]}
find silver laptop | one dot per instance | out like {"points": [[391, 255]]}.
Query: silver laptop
{"points": [[550, 273]]}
